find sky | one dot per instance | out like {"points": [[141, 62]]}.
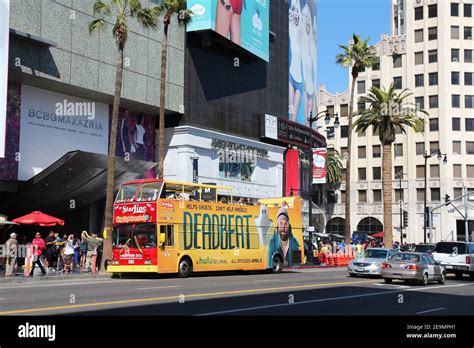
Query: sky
{"points": [[337, 21]]}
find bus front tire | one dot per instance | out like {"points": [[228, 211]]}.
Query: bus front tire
{"points": [[277, 265], [184, 268]]}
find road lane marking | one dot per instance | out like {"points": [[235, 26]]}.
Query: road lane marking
{"points": [[159, 287], [176, 297], [29, 286], [267, 280], [315, 301], [431, 310]]}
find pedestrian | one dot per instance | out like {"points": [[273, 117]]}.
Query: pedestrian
{"points": [[49, 251], [92, 243], [11, 247], [324, 254], [38, 246], [83, 251], [76, 253], [341, 247], [68, 253], [359, 249], [60, 243]]}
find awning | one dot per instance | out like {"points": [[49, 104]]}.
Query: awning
{"points": [[337, 235], [322, 235], [75, 180]]}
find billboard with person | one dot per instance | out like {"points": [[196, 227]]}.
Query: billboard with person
{"points": [[302, 60], [4, 35], [244, 22]]}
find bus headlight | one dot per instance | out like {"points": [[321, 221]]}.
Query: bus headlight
{"points": [[147, 262], [114, 262]]}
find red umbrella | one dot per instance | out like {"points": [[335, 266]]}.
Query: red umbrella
{"points": [[39, 219], [378, 235]]}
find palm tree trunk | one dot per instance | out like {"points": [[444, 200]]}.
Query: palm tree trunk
{"points": [[387, 194], [348, 165], [161, 133], [109, 201]]}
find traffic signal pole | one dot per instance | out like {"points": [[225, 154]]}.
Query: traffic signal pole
{"points": [[401, 221], [448, 202]]}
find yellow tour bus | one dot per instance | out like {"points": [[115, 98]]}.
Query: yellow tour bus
{"points": [[165, 226]]}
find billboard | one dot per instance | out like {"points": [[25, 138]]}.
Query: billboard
{"points": [[302, 60], [4, 33], [244, 22], [52, 124], [319, 166]]}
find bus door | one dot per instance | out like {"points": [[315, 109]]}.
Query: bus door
{"points": [[167, 250]]}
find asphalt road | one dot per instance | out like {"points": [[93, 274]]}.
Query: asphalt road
{"points": [[295, 292]]}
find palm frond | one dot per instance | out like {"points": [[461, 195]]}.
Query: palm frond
{"points": [[96, 24]]}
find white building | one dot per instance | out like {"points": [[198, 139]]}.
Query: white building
{"points": [[430, 51]]}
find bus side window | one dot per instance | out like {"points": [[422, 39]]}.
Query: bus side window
{"points": [[167, 235]]}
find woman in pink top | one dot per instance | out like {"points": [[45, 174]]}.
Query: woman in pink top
{"points": [[38, 246]]}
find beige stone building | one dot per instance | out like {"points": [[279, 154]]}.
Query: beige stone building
{"points": [[430, 51]]}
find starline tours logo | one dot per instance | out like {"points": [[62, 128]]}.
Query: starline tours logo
{"points": [[37, 331], [134, 209]]}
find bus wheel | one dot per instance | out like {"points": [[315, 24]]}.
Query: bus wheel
{"points": [[116, 275], [184, 269], [277, 265]]}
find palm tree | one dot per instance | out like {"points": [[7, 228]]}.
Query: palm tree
{"points": [[147, 18], [387, 112], [334, 166], [169, 8], [358, 56]]}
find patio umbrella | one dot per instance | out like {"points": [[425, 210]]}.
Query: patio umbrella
{"points": [[39, 219], [378, 235]]}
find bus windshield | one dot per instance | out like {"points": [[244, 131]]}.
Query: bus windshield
{"points": [[127, 193], [149, 192], [134, 236]]}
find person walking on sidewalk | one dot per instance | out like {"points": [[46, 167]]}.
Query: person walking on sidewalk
{"points": [[69, 253], [49, 251], [93, 242], [38, 246], [11, 247]]}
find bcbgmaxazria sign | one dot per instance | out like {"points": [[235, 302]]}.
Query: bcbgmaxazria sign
{"points": [[4, 31]]}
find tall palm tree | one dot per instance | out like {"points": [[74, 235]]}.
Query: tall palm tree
{"points": [[169, 8], [358, 56], [334, 166], [387, 112], [123, 10]]}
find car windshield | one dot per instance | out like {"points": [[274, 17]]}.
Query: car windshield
{"points": [[375, 254], [450, 248], [405, 257]]}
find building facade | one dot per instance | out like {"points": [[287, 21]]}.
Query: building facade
{"points": [[429, 51]]}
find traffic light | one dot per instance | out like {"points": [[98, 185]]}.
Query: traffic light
{"points": [[405, 219], [404, 235], [447, 198]]}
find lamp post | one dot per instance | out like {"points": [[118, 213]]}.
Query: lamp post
{"points": [[426, 156], [400, 177], [311, 119]]}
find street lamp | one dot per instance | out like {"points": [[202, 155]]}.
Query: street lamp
{"points": [[426, 156], [400, 177], [327, 120]]}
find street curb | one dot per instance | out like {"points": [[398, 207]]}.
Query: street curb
{"points": [[304, 267], [22, 279]]}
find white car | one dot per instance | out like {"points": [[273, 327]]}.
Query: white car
{"points": [[370, 263], [456, 257]]}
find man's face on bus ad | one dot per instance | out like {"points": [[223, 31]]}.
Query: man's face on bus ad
{"points": [[283, 229]]}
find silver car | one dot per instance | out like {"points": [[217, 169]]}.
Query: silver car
{"points": [[370, 263], [413, 267]]}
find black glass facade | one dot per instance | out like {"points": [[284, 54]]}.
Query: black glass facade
{"points": [[226, 88]]}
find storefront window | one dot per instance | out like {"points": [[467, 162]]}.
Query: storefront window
{"points": [[236, 171]]}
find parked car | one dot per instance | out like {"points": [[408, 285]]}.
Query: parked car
{"points": [[424, 248], [413, 267], [370, 263], [456, 257]]}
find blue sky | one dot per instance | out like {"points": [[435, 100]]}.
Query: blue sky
{"points": [[337, 20]]}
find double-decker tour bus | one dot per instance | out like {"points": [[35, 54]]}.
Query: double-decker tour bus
{"points": [[165, 226]]}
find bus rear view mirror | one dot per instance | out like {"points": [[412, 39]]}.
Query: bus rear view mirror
{"points": [[162, 238]]}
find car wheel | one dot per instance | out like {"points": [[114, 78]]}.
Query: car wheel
{"points": [[442, 280], [116, 275], [388, 280], [424, 282], [471, 275], [184, 269], [458, 275], [277, 265], [353, 275]]}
